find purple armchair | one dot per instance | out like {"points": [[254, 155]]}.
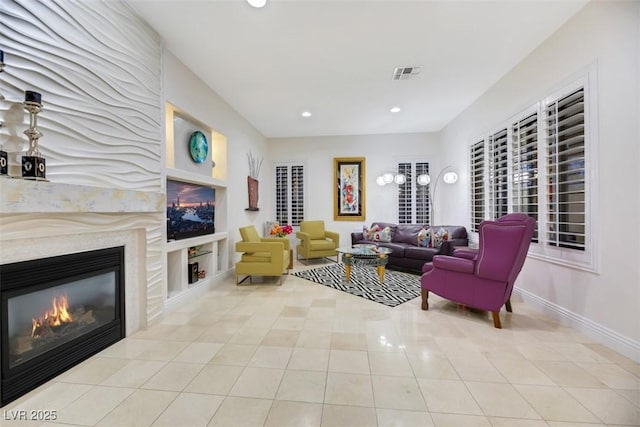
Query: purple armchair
{"points": [[484, 278]]}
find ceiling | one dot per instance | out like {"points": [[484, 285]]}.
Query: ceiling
{"points": [[336, 59]]}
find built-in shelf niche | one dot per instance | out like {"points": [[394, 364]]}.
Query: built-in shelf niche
{"points": [[179, 126], [213, 255]]}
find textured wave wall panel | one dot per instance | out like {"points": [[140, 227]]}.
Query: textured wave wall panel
{"points": [[97, 66]]}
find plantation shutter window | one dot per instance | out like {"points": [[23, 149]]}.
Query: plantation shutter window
{"points": [[405, 195], [524, 168], [289, 193], [414, 203], [477, 184], [498, 174], [536, 164], [282, 199], [423, 205], [297, 194], [565, 151]]}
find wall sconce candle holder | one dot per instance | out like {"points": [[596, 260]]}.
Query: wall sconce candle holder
{"points": [[33, 164], [4, 159]]}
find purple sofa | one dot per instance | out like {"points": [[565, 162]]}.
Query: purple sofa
{"points": [[407, 255], [484, 278]]}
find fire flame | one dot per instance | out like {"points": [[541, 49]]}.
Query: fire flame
{"points": [[58, 315]]}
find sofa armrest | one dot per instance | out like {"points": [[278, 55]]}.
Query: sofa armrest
{"points": [[282, 240], [465, 253], [448, 246], [356, 237], [335, 237], [304, 237], [460, 265]]}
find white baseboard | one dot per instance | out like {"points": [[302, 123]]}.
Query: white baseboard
{"points": [[596, 331]]}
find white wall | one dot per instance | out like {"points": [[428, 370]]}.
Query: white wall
{"points": [[606, 37], [183, 89], [382, 152]]}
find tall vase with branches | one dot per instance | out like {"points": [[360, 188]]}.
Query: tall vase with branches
{"points": [[252, 180]]}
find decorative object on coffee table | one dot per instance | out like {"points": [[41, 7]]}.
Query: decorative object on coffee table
{"points": [[33, 164], [252, 181]]}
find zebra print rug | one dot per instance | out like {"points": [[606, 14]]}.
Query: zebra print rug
{"points": [[397, 288]]}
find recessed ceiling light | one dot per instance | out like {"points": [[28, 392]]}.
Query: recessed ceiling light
{"points": [[306, 114], [395, 110], [257, 3]]}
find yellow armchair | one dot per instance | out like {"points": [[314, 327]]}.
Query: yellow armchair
{"points": [[316, 242], [261, 256]]}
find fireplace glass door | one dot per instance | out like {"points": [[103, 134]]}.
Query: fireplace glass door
{"points": [[56, 312], [40, 321]]}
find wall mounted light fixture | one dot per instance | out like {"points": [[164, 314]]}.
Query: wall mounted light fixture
{"points": [[257, 3], [393, 177], [448, 175]]}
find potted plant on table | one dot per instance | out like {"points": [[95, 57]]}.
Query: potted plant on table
{"points": [[280, 230]]}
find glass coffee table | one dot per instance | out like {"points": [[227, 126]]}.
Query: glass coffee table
{"points": [[365, 255]]}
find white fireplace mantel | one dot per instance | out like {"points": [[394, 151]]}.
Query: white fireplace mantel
{"points": [[40, 219], [24, 196]]}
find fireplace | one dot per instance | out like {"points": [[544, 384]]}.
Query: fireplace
{"points": [[56, 312]]}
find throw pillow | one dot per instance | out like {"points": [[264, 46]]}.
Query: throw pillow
{"points": [[370, 233], [440, 236], [377, 234], [384, 235], [424, 238]]}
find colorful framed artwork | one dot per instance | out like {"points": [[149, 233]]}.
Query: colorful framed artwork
{"points": [[349, 189]]}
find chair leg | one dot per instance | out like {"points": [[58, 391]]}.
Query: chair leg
{"points": [[238, 282], [507, 305], [496, 319], [425, 298]]}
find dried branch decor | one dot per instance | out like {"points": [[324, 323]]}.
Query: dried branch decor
{"points": [[254, 166]]}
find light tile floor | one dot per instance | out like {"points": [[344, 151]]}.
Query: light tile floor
{"points": [[302, 354]]}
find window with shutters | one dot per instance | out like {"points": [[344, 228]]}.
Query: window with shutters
{"points": [[565, 152], [537, 165], [524, 168], [289, 193], [477, 173], [413, 199], [498, 174]]}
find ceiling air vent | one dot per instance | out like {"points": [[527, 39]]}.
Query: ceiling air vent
{"points": [[404, 73]]}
